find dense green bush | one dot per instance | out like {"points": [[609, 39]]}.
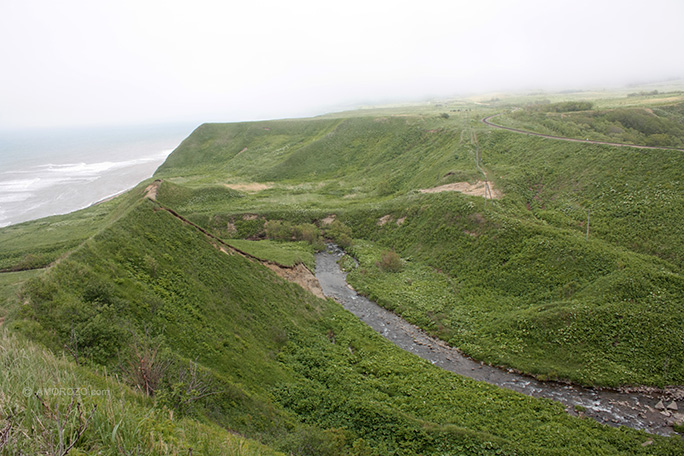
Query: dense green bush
{"points": [[339, 232], [283, 230]]}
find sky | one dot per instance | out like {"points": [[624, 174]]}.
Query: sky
{"points": [[86, 62]]}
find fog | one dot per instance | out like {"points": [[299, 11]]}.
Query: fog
{"points": [[77, 62]]}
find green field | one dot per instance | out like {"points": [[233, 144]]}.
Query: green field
{"points": [[517, 281]]}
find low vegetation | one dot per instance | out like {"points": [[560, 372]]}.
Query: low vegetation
{"points": [[564, 106], [283, 253], [576, 273], [169, 303], [389, 261]]}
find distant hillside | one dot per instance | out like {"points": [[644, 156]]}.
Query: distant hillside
{"points": [[376, 155], [648, 126], [596, 311]]}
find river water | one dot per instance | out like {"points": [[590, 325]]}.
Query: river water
{"points": [[635, 410]]}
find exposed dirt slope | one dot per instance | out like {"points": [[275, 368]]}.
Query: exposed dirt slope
{"points": [[299, 274], [477, 189]]}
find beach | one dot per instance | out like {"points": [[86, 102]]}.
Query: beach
{"points": [[52, 172]]}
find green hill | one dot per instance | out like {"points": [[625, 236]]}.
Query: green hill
{"points": [[533, 292], [154, 300], [284, 367], [647, 125]]}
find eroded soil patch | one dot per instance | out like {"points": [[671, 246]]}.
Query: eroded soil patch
{"points": [[479, 188], [249, 187], [300, 275], [328, 220]]}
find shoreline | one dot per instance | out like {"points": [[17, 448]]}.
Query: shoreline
{"points": [[56, 172], [109, 198], [32, 194]]}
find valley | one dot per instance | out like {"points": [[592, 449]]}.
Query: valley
{"points": [[559, 262], [627, 408]]}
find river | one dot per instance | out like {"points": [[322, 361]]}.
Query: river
{"points": [[635, 410]]}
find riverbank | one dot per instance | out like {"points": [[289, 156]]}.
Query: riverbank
{"points": [[638, 410]]}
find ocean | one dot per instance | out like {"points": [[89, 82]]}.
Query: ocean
{"points": [[57, 171]]}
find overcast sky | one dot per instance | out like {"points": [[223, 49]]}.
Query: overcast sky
{"points": [[75, 62]]}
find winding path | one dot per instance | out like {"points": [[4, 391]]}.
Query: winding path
{"points": [[487, 121], [614, 408]]}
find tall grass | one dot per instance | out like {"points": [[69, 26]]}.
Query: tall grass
{"points": [[50, 406]]}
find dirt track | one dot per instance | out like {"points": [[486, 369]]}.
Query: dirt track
{"points": [[486, 121]]}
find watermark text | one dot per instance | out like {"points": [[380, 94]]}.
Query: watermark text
{"points": [[54, 391]]}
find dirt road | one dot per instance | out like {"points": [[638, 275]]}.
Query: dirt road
{"points": [[487, 121]]}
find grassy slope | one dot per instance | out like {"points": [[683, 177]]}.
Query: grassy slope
{"points": [[634, 195], [530, 291], [649, 125], [292, 370], [348, 154], [536, 295], [606, 309], [282, 253], [38, 243], [10, 286], [37, 404]]}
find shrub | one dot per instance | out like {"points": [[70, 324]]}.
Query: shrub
{"points": [[385, 188], [278, 230], [306, 232], [183, 388], [143, 366], [390, 261], [340, 233], [567, 106]]}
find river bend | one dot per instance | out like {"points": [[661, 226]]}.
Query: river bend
{"points": [[636, 410]]}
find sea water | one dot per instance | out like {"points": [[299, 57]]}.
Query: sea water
{"points": [[56, 171]]}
